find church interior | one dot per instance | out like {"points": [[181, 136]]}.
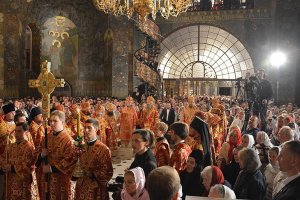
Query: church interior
{"points": [[202, 50], [100, 52]]}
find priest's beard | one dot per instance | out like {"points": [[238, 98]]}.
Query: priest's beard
{"points": [[149, 107]]}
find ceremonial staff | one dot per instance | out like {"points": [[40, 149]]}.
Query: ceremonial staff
{"points": [[46, 83]]}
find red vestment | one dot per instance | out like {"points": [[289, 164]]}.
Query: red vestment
{"points": [[22, 159], [188, 114], [162, 152], [180, 156], [112, 130], [96, 163], [62, 157], [149, 118], [128, 120]]}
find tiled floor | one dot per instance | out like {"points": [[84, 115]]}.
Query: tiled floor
{"points": [[121, 159]]}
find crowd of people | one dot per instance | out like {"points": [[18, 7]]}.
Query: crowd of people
{"points": [[199, 146]]}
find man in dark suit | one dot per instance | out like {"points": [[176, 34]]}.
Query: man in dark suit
{"points": [[168, 115], [289, 163]]}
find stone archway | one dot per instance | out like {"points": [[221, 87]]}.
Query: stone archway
{"points": [[204, 53]]}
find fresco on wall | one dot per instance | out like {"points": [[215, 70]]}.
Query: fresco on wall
{"points": [[60, 47]]}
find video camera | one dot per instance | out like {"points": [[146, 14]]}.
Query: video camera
{"points": [[117, 185]]}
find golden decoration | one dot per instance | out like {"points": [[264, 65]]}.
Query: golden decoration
{"points": [[46, 83], [143, 8]]}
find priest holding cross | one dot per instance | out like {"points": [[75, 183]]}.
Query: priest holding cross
{"points": [[57, 158]]}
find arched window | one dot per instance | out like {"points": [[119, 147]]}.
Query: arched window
{"points": [[203, 51]]}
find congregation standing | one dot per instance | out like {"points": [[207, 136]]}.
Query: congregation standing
{"points": [[214, 149]]}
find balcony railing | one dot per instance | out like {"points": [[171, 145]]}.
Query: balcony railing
{"points": [[207, 5]]}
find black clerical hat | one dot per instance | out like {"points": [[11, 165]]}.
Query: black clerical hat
{"points": [[34, 112], [202, 128], [8, 108], [198, 124]]}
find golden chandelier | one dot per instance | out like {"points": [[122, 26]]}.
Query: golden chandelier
{"points": [[166, 8]]}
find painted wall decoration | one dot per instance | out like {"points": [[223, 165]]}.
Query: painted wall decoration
{"points": [[60, 46]]}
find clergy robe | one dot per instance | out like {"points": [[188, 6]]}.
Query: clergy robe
{"points": [[128, 120], [102, 127], [148, 118], [96, 163], [22, 158], [5, 129], [62, 161], [72, 126], [180, 156], [188, 113], [112, 131], [162, 152], [37, 134]]}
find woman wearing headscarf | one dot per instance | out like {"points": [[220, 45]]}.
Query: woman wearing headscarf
{"points": [[134, 185], [235, 139], [212, 175], [263, 146], [248, 141], [272, 169], [250, 183], [190, 178], [221, 191]]}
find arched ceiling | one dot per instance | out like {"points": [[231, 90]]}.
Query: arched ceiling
{"points": [[203, 51]]}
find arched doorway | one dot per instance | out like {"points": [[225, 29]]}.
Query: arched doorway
{"points": [[201, 59]]}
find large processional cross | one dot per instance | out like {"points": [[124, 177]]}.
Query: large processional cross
{"points": [[46, 83]]}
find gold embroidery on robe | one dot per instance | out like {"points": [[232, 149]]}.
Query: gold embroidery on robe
{"points": [[97, 165], [62, 157], [22, 158]]}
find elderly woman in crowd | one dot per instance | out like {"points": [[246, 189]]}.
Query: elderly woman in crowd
{"points": [[248, 141], [221, 191], [211, 175], [250, 183], [263, 146], [272, 169], [235, 139]]}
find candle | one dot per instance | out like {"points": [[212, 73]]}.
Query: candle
{"points": [[78, 123]]}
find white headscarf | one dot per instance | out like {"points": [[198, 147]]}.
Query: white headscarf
{"points": [[265, 139], [250, 139], [140, 180], [229, 193]]}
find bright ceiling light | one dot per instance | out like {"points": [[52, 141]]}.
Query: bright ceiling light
{"points": [[277, 59]]}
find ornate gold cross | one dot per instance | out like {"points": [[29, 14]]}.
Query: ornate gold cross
{"points": [[46, 83]]}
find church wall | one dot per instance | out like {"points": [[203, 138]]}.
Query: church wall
{"points": [[11, 52], [286, 39], [94, 68]]}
